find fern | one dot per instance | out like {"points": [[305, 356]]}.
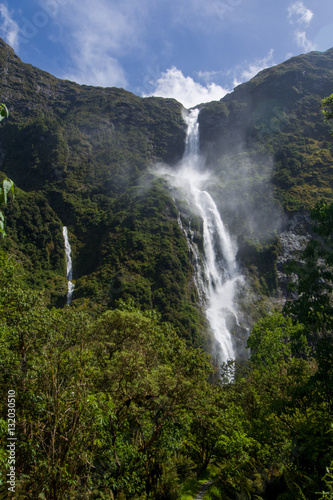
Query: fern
{"points": [[328, 480], [296, 492]]}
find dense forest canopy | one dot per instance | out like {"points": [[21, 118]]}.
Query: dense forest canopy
{"points": [[121, 407]]}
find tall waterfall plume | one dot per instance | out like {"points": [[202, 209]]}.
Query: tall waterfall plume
{"points": [[217, 276], [69, 267]]}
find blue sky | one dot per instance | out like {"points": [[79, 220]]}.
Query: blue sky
{"points": [[193, 50]]}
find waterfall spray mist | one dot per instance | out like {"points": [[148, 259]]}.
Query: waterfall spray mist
{"points": [[216, 272]]}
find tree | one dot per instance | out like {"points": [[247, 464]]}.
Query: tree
{"points": [[44, 360], [103, 404], [274, 340], [155, 383], [327, 105]]}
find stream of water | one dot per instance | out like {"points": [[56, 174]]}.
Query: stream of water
{"points": [[69, 266]]}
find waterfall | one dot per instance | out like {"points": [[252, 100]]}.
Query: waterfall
{"points": [[216, 272], [69, 267], [196, 259]]}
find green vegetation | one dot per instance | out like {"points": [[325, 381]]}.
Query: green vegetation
{"points": [[120, 407], [327, 106], [115, 397], [101, 403]]}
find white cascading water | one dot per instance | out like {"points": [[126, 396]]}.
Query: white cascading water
{"points": [[216, 273], [69, 267]]}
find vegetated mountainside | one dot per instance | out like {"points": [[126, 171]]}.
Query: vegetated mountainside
{"points": [[80, 157], [276, 116], [272, 155]]}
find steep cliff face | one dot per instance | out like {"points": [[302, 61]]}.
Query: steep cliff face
{"points": [[272, 155], [85, 133], [80, 157]]}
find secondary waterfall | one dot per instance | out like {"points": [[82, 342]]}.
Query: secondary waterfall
{"points": [[216, 273], [69, 267]]}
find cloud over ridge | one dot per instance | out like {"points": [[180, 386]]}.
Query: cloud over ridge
{"points": [[301, 16], [172, 83]]}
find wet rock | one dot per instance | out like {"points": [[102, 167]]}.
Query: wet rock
{"points": [[293, 241]]}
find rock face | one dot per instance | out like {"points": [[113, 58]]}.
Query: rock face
{"points": [[293, 239]]}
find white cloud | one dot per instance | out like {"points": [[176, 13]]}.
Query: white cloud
{"points": [[96, 69], [303, 42], [173, 83], [254, 68], [8, 27], [299, 14], [98, 34]]}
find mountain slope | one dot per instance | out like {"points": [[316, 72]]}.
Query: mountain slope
{"points": [[272, 155], [80, 157]]}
